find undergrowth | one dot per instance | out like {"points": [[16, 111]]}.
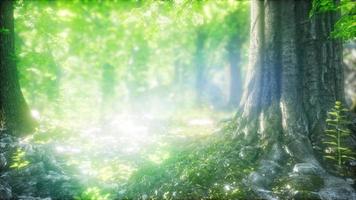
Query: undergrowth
{"points": [[209, 169], [337, 132]]}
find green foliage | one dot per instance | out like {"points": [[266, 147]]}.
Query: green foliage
{"points": [[62, 47], [18, 159], [93, 193], [345, 27], [336, 133], [213, 168], [33, 170]]}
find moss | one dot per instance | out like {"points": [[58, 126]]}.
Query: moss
{"points": [[301, 195], [298, 186], [305, 182]]}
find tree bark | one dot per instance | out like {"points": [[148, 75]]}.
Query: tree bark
{"points": [[15, 114], [294, 77]]}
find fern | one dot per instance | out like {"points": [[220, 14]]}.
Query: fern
{"points": [[336, 132], [19, 159]]}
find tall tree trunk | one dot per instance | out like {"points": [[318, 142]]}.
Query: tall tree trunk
{"points": [[234, 54], [53, 92], [108, 84], [294, 78], [15, 114], [200, 63]]}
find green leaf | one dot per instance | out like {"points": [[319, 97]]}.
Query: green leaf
{"points": [[333, 113], [349, 157], [345, 130], [343, 148], [330, 157], [332, 124], [333, 136], [332, 143]]}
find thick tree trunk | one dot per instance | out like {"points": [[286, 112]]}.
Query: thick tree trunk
{"points": [[15, 115], [295, 76]]}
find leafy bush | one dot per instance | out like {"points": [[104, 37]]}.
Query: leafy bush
{"points": [[93, 193], [32, 171]]}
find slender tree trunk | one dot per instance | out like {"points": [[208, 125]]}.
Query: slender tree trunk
{"points": [[177, 82], [200, 63], [234, 52], [108, 84], [294, 78], [15, 114], [53, 92]]}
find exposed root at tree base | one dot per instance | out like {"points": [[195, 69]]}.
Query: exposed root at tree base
{"points": [[280, 180]]}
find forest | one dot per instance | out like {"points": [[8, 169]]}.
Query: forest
{"points": [[177, 99]]}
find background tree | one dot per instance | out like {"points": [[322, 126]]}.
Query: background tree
{"points": [[108, 84], [239, 33], [200, 63], [294, 78], [15, 113]]}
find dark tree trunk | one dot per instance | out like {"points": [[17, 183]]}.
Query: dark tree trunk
{"points": [[15, 115], [295, 76]]}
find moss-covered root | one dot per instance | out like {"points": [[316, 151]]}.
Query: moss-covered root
{"points": [[307, 180]]}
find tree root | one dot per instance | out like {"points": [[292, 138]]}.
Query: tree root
{"points": [[275, 179]]}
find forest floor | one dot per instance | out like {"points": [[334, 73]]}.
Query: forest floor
{"points": [[185, 154], [102, 158]]}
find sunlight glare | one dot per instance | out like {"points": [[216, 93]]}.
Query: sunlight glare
{"points": [[201, 122], [227, 187], [67, 149], [35, 114]]}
